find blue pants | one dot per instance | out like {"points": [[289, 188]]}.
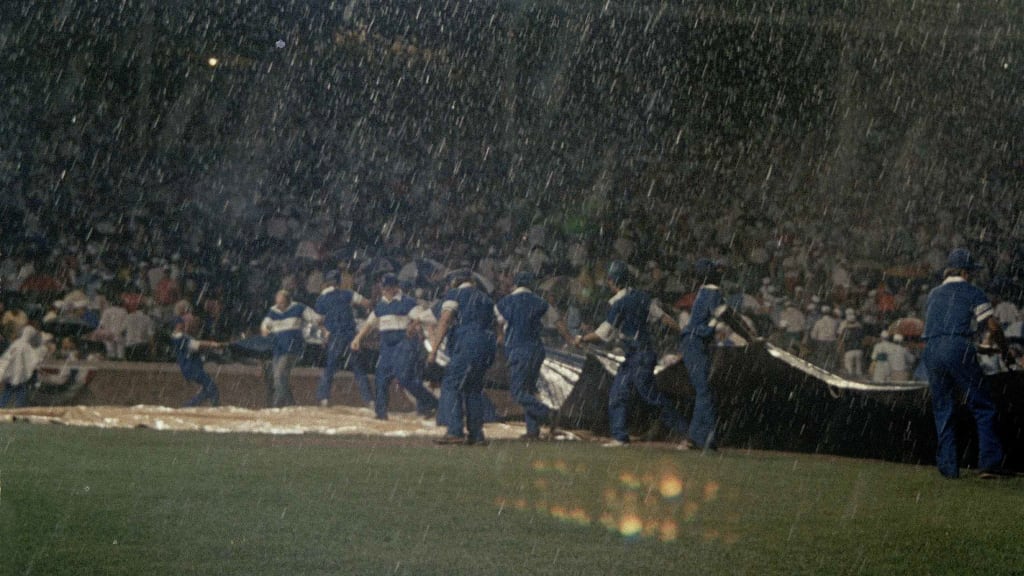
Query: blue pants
{"points": [[697, 358], [524, 368], [399, 362], [426, 402], [339, 355], [462, 387], [636, 376], [953, 371], [19, 392], [208, 390]]}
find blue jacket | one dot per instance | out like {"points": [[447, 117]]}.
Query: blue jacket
{"points": [[474, 313], [522, 312], [709, 297], [392, 319], [336, 307], [285, 328], [186, 352], [630, 312], [955, 308]]}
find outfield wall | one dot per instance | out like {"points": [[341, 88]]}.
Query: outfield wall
{"points": [[242, 385]]}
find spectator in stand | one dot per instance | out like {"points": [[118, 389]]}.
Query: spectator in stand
{"points": [[791, 322], [882, 355], [902, 360], [851, 337], [812, 313], [885, 303], [791, 272], [1004, 311], [111, 331], [19, 362], [138, 334], [154, 275], [823, 339], [87, 313], [41, 283], [921, 304], [655, 279], [841, 281], [166, 293], [538, 259], [1014, 331]]}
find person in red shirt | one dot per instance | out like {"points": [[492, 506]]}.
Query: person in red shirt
{"points": [[885, 302], [167, 291]]}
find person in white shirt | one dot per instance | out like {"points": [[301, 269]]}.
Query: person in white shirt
{"points": [[112, 330], [902, 360], [890, 361], [18, 364], [791, 322], [139, 330], [1004, 311], [823, 338]]}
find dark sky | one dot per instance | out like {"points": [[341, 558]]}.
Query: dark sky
{"points": [[799, 95]]}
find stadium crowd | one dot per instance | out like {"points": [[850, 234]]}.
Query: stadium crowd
{"points": [[120, 270]]}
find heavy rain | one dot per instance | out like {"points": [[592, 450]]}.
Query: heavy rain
{"points": [[685, 229]]}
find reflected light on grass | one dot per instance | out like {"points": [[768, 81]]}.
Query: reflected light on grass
{"points": [[659, 504]]}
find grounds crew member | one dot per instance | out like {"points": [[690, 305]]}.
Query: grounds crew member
{"points": [[190, 361], [956, 310], [20, 361], [696, 345], [398, 348], [631, 310], [520, 323], [335, 305], [283, 324], [467, 319]]}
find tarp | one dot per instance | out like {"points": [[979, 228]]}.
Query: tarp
{"points": [[769, 399]]}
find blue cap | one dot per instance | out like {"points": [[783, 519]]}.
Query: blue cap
{"points": [[705, 266], [332, 277], [618, 272], [460, 275], [389, 280], [961, 259], [524, 278]]}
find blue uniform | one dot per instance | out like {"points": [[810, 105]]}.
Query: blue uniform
{"points": [[399, 355], [521, 313], [336, 307], [696, 345], [285, 327], [630, 312], [471, 345], [954, 310], [186, 351]]}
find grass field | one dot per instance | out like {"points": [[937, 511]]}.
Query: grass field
{"points": [[93, 501]]}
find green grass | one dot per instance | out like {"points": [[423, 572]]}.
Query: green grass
{"points": [[88, 501]]}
